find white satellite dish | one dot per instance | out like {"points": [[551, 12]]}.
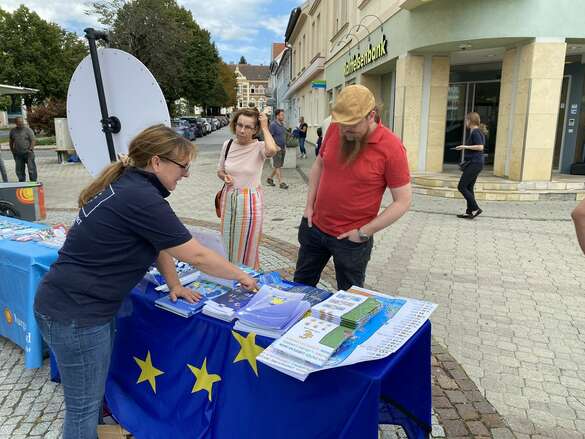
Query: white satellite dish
{"points": [[132, 95]]}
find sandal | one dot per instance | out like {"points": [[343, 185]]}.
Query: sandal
{"points": [[270, 181], [283, 185]]}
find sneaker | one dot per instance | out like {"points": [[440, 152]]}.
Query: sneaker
{"points": [[283, 185], [270, 181]]}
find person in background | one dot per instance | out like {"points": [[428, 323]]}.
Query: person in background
{"points": [[3, 169], [319, 141], [22, 144], [278, 131], [302, 136], [242, 200], [358, 160], [123, 226], [472, 164]]}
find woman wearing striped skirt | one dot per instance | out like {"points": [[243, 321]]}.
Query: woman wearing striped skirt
{"points": [[242, 202]]}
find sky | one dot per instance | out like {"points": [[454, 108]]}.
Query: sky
{"points": [[238, 27]]}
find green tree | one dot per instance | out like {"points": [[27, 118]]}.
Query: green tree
{"points": [[228, 81], [179, 53], [37, 54], [150, 30], [243, 60]]}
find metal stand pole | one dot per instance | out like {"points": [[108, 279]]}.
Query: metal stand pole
{"points": [[110, 124]]}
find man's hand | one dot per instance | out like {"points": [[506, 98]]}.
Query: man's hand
{"points": [[309, 215], [248, 282], [352, 235], [186, 293]]}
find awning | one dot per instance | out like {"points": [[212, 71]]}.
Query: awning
{"points": [[13, 90]]}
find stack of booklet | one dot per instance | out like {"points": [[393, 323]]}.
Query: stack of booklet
{"points": [[314, 344], [225, 306], [180, 307], [271, 312], [312, 340], [312, 295], [347, 309], [317, 338]]}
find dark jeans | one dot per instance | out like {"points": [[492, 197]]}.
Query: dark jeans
{"points": [[83, 356], [302, 145], [466, 184], [350, 258], [25, 159]]}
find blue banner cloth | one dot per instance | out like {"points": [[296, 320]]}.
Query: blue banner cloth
{"points": [[22, 265], [197, 378]]}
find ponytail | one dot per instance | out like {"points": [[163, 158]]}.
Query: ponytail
{"points": [[107, 177]]}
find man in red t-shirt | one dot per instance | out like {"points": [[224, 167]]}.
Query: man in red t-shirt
{"points": [[358, 160]]}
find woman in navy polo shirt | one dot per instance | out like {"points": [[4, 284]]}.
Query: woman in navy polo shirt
{"points": [[123, 226], [473, 164]]}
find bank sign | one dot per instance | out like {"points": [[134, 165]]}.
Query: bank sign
{"points": [[366, 57]]}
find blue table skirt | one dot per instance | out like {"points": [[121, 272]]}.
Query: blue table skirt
{"points": [[338, 403], [22, 265]]}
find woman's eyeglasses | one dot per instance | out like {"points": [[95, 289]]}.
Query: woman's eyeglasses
{"points": [[245, 127], [183, 167]]}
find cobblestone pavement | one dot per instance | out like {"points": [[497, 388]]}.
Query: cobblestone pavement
{"points": [[508, 332]]}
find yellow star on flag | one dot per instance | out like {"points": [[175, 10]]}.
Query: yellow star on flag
{"points": [[147, 371], [203, 380], [249, 349]]}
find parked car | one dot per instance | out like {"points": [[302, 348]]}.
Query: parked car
{"points": [[214, 123], [195, 125], [206, 125], [183, 128]]}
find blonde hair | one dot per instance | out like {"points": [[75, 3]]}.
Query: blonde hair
{"points": [[474, 119], [157, 140]]}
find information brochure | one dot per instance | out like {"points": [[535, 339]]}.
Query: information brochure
{"points": [[271, 312], [347, 308], [398, 319], [225, 306], [181, 307]]}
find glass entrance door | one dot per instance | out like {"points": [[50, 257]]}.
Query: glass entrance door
{"points": [[482, 97]]}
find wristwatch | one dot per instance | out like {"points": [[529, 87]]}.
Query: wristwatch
{"points": [[363, 237]]}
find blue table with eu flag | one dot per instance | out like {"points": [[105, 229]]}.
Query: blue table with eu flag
{"points": [[172, 377]]}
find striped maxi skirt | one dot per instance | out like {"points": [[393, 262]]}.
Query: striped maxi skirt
{"points": [[242, 214]]}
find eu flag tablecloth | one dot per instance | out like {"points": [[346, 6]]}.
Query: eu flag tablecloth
{"points": [[197, 378], [22, 266]]}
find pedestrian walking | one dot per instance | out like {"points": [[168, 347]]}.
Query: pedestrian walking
{"points": [[124, 225], [319, 141], [22, 144], [278, 131], [3, 169], [357, 161], [302, 136], [472, 164], [242, 199]]}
